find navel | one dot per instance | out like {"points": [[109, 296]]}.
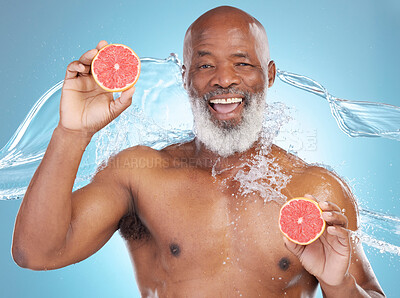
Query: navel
{"points": [[175, 249], [284, 264]]}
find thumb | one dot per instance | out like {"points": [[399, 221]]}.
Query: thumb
{"points": [[294, 248], [122, 103]]}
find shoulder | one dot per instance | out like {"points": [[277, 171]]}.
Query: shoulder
{"points": [[136, 152], [136, 165], [325, 181], [142, 156], [326, 185], [316, 180], [133, 159], [124, 168]]}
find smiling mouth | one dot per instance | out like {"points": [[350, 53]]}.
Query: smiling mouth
{"points": [[225, 105]]}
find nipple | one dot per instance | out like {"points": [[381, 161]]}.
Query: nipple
{"points": [[175, 249], [284, 264]]}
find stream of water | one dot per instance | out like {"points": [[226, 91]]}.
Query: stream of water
{"points": [[150, 121]]}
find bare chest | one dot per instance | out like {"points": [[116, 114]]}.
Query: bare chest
{"points": [[203, 229]]}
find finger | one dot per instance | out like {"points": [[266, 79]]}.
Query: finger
{"points": [[101, 44], [335, 218], [127, 95], [87, 57], [73, 69], [311, 197], [340, 232], [121, 103], [294, 248], [329, 206], [86, 69], [324, 205]]}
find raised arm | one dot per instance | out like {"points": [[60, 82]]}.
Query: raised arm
{"points": [[55, 227]]}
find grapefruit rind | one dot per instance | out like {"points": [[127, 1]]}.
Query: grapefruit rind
{"points": [[116, 89], [316, 236]]}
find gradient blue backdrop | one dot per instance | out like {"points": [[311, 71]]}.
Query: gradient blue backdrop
{"points": [[350, 46]]}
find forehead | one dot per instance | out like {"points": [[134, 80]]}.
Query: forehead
{"points": [[224, 34], [221, 40]]}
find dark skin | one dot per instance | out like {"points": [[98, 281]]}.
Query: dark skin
{"points": [[181, 237]]}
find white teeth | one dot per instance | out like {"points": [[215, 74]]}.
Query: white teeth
{"points": [[226, 100]]}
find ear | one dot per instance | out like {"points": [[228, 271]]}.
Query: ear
{"points": [[184, 76], [271, 73]]}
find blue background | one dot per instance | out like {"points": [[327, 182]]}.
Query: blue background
{"points": [[351, 47]]}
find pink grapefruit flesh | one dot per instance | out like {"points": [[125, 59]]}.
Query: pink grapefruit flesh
{"points": [[116, 68], [300, 220]]}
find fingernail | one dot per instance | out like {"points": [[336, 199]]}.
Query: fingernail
{"points": [[331, 228], [329, 214], [323, 204]]}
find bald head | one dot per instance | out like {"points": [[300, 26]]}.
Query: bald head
{"points": [[230, 19]]}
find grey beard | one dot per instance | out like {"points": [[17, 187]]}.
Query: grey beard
{"points": [[224, 137]]}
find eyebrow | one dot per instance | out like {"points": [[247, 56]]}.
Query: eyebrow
{"points": [[241, 55], [203, 53], [237, 55]]}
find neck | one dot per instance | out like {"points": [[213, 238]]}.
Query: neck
{"points": [[209, 159]]}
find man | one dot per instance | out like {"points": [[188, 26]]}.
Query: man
{"points": [[190, 228]]}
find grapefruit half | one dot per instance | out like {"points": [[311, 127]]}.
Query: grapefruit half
{"points": [[115, 67], [300, 220]]}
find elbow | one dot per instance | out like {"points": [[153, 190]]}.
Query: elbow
{"points": [[19, 256], [25, 260], [24, 253]]}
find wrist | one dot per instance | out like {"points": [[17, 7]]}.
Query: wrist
{"points": [[347, 285], [72, 137]]}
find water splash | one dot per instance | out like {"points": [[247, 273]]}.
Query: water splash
{"points": [[260, 175], [263, 175], [147, 121], [380, 230], [355, 118], [159, 94]]}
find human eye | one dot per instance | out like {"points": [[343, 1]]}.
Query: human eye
{"points": [[205, 66], [244, 64]]}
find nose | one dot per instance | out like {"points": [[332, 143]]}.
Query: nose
{"points": [[225, 77]]}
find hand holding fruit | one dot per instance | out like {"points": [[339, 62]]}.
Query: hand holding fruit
{"points": [[85, 107], [327, 257]]}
